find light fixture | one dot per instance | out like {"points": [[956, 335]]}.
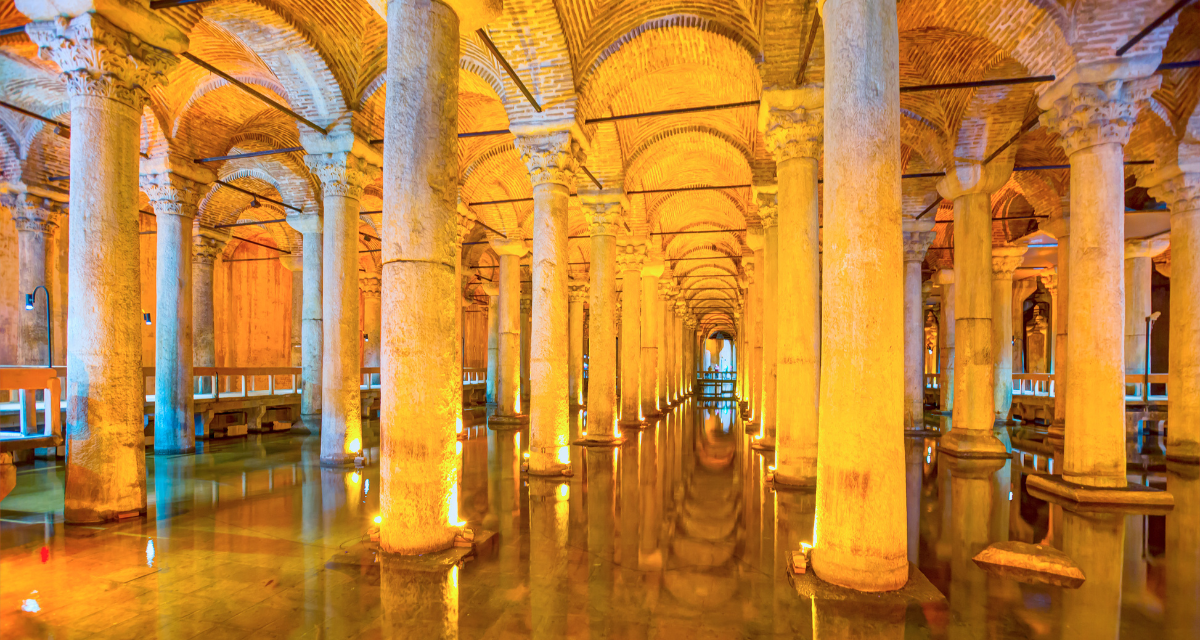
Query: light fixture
{"points": [[146, 317], [29, 302], [366, 337], [254, 204], [378, 519], [29, 299]]}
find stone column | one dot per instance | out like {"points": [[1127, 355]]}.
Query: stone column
{"points": [[309, 225], [1021, 290], [344, 168], [970, 186], [37, 229], [768, 211], [651, 328], [756, 240], [207, 246], [1093, 108], [945, 278], [295, 264], [493, 372], [174, 189], [631, 255], [551, 159], [860, 538], [793, 123], [680, 347], [526, 337], [372, 323], [422, 377], [577, 294], [508, 371], [108, 72], [918, 235], [1005, 261], [1059, 287], [1179, 187], [689, 363], [666, 344], [603, 211], [1138, 267]]}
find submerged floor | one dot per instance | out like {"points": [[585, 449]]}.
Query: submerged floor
{"points": [[671, 535]]}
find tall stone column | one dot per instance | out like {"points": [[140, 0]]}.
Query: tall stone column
{"points": [[1058, 285], [689, 363], [651, 328], [108, 72], [945, 278], [295, 265], [309, 225], [1021, 290], [174, 189], [207, 246], [860, 539], [768, 211], [551, 159], [680, 347], [422, 377], [1005, 261], [666, 343], [371, 287], [1093, 108], [344, 166], [1138, 270], [508, 372], [37, 230], [1179, 187], [793, 124], [493, 372], [577, 294], [603, 211], [756, 239], [918, 235], [631, 255], [526, 340], [970, 186]]}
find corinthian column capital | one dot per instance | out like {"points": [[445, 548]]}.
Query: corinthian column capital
{"points": [[99, 59], [604, 211], [370, 286], [578, 290], [768, 206], [342, 173], [1098, 103], [206, 247], [33, 214], [552, 158], [1177, 184], [631, 254], [793, 122], [1006, 261]]}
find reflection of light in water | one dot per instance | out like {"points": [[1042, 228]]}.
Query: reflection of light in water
{"points": [[355, 477], [355, 445], [30, 605], [367, 487], [458, 447], [564, 491], [150, 553]]}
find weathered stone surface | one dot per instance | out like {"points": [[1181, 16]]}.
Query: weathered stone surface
{"points": [[1030, 563]]}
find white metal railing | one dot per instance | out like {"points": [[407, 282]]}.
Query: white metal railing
{"points": [[931, 382], [1034, 385], [27, 381]]}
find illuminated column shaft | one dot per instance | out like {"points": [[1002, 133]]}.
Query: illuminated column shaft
{"points": [[108, 73], [508, 373], [631, 254], [310, 226], [1005, 261], [343, 174], [577, 294], [372, 320], [768, 210], [651, 328], [173, 194], [422, 378], [1181, 191], [666, 352], [37, 227], [207, 246], [860, 540], [756, 239], [680, 348], [793, 121], [1138, 270], [493, 293], [551, 159], [295, 264], [1059, 286], [918, 236], [603, 213], [1094, 121], [945, 278], [526, 337]]}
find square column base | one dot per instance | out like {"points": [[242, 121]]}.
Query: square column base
{"points": [[918, 591], [963, 443], [507, 423], [1132, 498]]}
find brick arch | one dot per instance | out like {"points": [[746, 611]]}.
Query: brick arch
{"points": [[292, 54], [683, 210], [1154, 135], [687, 156], [530, 35], [281, 234], [1100, 26], [476, 61], [993, 114], [498, 174], [214, 114], [925, 139]]}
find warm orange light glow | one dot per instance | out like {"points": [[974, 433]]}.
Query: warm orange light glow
{"points": [[564, 492], [356, 477], [378, 519], [458, 447], [564, 455], [355, 445]]}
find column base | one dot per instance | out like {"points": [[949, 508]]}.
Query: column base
{"points": [[631, 424], [922, 433], [804, 484], [1132, 498], [1182, 456], [176, 452], [599, 441], [92, 516], [918, 590], [340, 460], [965, 443], [765, 443], [507, 423]]}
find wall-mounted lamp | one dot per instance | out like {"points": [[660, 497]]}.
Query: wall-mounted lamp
{"points": [[254, 204], [29, 299], [146, 317], [366, 337]]}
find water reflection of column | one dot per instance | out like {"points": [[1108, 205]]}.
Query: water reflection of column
{"points": [[852, 619], [419, 596], [975, 485], [628, 594], [766, 558], [601, 482], [1096, 543], [174, 496], [914, 459], [1133, 579], [548, 514], [795, 512], [1180, 613], [649, 553], [504, 491]]}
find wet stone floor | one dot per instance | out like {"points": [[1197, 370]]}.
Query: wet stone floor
{"points": [[673, 534]]}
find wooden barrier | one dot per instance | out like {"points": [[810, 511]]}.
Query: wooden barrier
{"points": [[27, 381]]}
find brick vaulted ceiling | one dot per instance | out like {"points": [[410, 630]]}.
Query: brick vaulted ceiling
{"points": [[586, 59]]}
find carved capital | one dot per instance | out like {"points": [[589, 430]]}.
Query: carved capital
{"points": [[171, 193], [1146, 248], [206, 248], [631, 256], [342, 173], [33, 214], [768, 208], [603, 218], [794, 133], [667, 290], [370, 286], [466, 222], [1006, 260], [98, 59], [526, 305], [1180, 193], [1049, 279], [578, 290], [756, 238], [1093, 113], [552, 158], [916, 244], [510, 246]]}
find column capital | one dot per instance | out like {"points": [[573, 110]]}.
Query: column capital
{"points": [[1146, 247], [1098, 102], [526, 304], [306, 223], [551, 157], [793, 121], [206, 247], [342, 173], [768, 206], [33, 214], [653, 267], [970, 177], [916, 244], [1177, 184], [604, 210], [1006, 260], [370, 286], [510, 246], [99, 59], [667, 290], [578, 290], [465, 223], [944, 277], [292, 262], [756, 239], [173, 189], [1049, 279], [631, 253]]}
